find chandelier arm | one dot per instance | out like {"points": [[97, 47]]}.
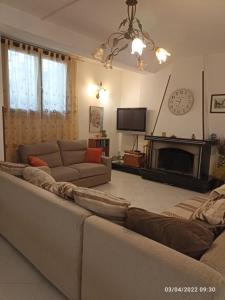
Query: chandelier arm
{"points": [[151, 43], [119, 34]]}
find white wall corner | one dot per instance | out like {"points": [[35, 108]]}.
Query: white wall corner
{"points": [[1, 105]]}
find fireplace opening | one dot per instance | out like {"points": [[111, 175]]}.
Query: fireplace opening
{"points": [[176, 160]]}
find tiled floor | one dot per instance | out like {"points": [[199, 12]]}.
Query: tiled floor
{"points": [[19, 280]]}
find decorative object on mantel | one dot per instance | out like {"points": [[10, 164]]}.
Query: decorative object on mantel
{"points": [[217, 103], [103, 133], [193, 136], [130, 29], [96, 119], [213, 137], [181, 101], [219, 168], [173, 136], [164, 133]]}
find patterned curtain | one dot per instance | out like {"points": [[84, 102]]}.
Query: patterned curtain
{"points": [[39, 96]]}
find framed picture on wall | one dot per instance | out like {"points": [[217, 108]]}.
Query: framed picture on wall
{"points": [[217, 103], [96, 119]]}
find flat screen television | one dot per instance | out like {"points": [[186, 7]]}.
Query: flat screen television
{"points": [[131, 119]]}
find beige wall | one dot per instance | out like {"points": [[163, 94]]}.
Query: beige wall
{"points": [[215, 84], [1, 104], [92, 73]]}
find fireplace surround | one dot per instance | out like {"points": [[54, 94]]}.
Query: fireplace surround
{"points": [[175, 160], [181, 162]]}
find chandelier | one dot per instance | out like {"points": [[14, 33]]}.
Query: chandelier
{"points": [[130, 29]]}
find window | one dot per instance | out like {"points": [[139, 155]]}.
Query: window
{"points": [[23, 80], [54, 78], [24, 83]]}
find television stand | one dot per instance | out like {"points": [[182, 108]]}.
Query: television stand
{"points": [[120, 166]]}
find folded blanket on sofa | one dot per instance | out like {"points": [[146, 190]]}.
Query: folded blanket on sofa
{"points": [[218, 192]]}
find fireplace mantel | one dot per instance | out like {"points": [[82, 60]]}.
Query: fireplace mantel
{"points": [[180, 140]]}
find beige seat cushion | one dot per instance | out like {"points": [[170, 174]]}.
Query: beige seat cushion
{"points": [[64, 174], [214, 257], [89, 169]]}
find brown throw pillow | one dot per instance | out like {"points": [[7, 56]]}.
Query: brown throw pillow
{"points": [[185, 236]]}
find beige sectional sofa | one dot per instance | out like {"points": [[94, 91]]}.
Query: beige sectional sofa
{"points": [[66, 161], [90, 258]]}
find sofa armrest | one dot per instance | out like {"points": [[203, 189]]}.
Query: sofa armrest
{"points": [[107, 161]]}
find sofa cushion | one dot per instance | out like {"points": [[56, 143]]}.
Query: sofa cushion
{"points": [[214, 257], [64, 174], [72, 152], [35, 161], [37, 177], [12, 168], [187, 237], [101, 203], [49, 152], [89, 169], [93, 155]]}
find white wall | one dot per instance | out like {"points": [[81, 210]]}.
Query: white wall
{"points": [[215, 84], [1, 104], [185, 73], [111, 79]]}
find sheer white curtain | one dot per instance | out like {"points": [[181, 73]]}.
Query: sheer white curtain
{"points": [[23, 70], [21, 89], [54, 84]]}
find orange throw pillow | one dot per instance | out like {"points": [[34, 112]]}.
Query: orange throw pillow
{"points": [[35, 161], [93, 155]]}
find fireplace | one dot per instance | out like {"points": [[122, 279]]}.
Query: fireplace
{"points": [[180, 162], [176, 160]]}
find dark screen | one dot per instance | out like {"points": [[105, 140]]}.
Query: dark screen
{"points": [[131, 119]]}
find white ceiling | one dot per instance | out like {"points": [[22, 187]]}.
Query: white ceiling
{"points": [[183, 27]]}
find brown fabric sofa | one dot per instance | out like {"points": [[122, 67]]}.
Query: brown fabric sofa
{"points": [[66, 161]]}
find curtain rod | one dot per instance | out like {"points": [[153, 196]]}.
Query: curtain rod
{"points": [[3, 36]]}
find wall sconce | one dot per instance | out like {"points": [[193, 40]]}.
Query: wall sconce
{"points": [[102, 93], [98, 91]]}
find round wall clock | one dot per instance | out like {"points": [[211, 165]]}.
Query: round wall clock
{"points": [[181, 101]]}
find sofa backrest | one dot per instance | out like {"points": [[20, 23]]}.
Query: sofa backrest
{"points": [[72, 152], [49, 152]]}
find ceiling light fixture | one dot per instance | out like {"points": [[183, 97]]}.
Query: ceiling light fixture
{"points": [[130, 29]]}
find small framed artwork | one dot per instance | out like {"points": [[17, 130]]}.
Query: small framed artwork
{"points": [[217, 103], [96, 119]]}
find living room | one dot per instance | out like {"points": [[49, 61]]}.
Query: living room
{"points": [[120, 259]]}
